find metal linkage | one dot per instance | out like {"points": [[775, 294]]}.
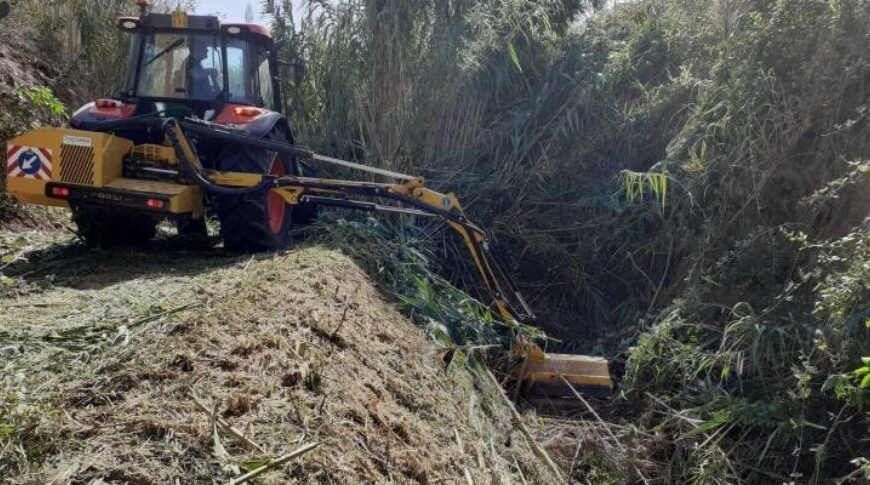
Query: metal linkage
{"points": [[345, 193], [210, 130]]}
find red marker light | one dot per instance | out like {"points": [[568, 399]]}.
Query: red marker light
{"points": [[155, 203], [248, 111], [62, 192], [108, 104]]}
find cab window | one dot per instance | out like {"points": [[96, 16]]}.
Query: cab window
{"points": [[180, 66], [267, 97], [249, 73], [242, 72]]}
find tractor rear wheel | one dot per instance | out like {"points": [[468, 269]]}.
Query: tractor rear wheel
{"points": [[99, 226], [255, 222]]}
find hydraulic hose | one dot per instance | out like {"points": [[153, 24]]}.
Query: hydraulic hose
{"points": [[189, 169]]}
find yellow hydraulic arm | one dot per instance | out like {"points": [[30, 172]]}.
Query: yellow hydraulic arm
{"points": [[410, 196]]}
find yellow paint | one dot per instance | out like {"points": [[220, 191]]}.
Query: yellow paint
{"points": [[162, 153], [183, 199], [107, 152], [290, 194], [235, 179], [179, 19], [577, 380], [186, 148]]}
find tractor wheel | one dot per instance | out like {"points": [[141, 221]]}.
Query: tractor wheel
{"points": [[255, 222], [105, 227]]}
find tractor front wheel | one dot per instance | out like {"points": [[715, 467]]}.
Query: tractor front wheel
{"points": [[259, 221]]}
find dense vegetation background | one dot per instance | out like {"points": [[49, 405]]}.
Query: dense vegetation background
{"points": [[681, 184]]}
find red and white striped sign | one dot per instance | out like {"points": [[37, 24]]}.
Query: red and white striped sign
{"points": [[28, 162]]}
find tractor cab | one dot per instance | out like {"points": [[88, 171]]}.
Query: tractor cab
{"points": [[195, 60], [183, 65]]}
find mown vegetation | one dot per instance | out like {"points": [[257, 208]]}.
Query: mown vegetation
{"points": [[678, 184]]}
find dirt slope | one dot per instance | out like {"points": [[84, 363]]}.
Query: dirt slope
{"points": [[103, 353]]}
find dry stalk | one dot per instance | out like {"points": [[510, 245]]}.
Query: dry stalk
{"points": [[340, 324], [274, 463], [604, 424], [228, 427], [518, 422]]}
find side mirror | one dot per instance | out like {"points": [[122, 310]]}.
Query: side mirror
{"points": [[4, 9]]}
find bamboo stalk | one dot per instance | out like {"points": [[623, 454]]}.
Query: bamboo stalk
{"points": [[274, 463], [164, 314], [518, 422], [228, 427], [604, 424]]}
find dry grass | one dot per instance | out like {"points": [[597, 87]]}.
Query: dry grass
{"points": [[105, 351]]}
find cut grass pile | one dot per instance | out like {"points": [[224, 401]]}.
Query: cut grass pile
{"points": [[106, 353]]}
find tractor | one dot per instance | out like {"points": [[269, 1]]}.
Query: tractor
{"points": [[198, 130], [185, 66]]}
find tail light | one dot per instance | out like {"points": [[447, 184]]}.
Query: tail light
{"points": [[155, 203], [108, 104], [61, 192], [248, 111]]}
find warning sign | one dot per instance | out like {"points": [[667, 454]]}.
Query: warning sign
{"points": [[28, 162]]}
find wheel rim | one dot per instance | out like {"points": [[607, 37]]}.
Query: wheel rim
{"points": [[276, 206]]}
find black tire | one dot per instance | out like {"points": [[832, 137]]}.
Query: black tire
{"points": [[192, 228], [105, 227], [253, 223], [193, 233]]}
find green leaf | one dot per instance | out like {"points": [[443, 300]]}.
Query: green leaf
{"points": [[865, 360], [6, 430], [829, 384], [513, 53], [718, 419], [865, 382], [249, 465], [6, 281]]}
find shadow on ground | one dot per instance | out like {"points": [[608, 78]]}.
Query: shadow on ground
{"points": [[70, 263]]}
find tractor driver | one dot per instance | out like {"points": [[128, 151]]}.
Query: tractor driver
{"points": [[202, 83]]}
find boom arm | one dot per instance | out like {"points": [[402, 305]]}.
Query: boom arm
{"points": [[410, 196]]}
